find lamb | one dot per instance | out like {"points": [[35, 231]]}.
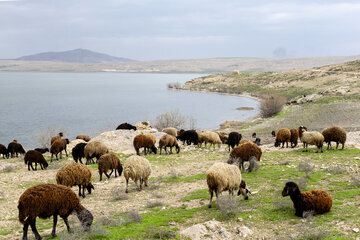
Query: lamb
{"points": [[36, 157], [4, 151], [336, 134], [78, 152], [84, 137], [282, 136], [225, 177], [42, 150], [212, 138], [58, 137], [57, 147], [46, 200], [168, 141], [109, 161], [75, 174], [145, 141], [171, 131], [14, 149], [311, 138], [314, 201], [137, 168], [294, 137], [243, 153], [234, 139], [94, 149], [126, 126], [189, 136]]}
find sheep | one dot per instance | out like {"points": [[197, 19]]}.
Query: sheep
{"points": [[170, 131], [145, 141], [14, 148], [212, 138], [201, 138], [36, 157], [126, 126], [42, 150], [137, 168], [109, 161], [179, 132], [94, 149], [46, 200], [78, 152], [168, 141], [282, 136], [243, 153], [314, 201], [312, 138], [4, 151], [57, 147], [58, 137], [294, 137], [257, 141], [84, 137], [223, 137], [189, 136], [151, 136], [234, 139], [75, 174], [225, 177], [273, 133], [336, 134], [254, 135]]}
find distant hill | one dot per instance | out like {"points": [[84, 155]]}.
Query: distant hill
{"points": [[74, 56]]}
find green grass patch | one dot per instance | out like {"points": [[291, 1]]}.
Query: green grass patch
{"points": [[5, 232]]}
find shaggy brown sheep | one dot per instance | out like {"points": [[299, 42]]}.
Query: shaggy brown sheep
{"points": [[36, 157], [14, 148], [4, 151], [334, 134], [243, 153], [75, 174], [294, 137], [84, 137], [58, 137], [57, 147], [282, 136], [108, 162], [46, 200], [168, 141], [94, 149], [142, 140], [314, 201]]}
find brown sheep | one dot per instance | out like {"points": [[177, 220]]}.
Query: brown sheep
{"points": [[243, 153], [314, 201], [46, 200], [84, 137], [75, 174], [57, 147], [36, 157], [58, 137], [170, 131], [168, 141], [145, 141], [14, 148], [282, 136], [109, 161], [335, 134], [94, 149], [294, 137], [223, 137]]}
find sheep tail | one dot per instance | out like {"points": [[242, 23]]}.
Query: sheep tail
{"points": [[22, 214]]}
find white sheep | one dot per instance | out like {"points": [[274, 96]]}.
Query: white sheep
{"points": [[311, 138], [225, 177], [212, 138], [170, 131], [137, 168]]}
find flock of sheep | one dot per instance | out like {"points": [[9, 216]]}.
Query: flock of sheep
{"points": [[46, 200]]}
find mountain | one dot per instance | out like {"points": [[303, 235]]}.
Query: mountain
{"points": [[74, 56]]}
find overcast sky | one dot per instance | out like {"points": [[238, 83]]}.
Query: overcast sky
{"points": [[181, 29]]}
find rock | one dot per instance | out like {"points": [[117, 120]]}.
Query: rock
{"points": [[212, 225], [194, 232], [356, 230], [244, 231], [143, 125]]}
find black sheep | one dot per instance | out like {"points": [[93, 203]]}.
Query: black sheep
{"points": [[234, 139], [4, 151], [36, 157], [189, 136], [42, 150], [78, 152], [126, 126], [257, 141], [15, 148]]}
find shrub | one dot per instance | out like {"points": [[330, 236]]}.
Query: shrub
{"points": [[133, 216], [118, 194], [159, 233], [170, 119], [44, 138], [228, 206], [271, 104], [153, 203], [175, 85]]}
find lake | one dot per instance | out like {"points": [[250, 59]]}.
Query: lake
{"points": [[91, 103]]}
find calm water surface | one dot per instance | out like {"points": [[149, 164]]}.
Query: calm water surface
{"points": [[91, 103]]}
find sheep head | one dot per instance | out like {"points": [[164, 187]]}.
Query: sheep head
{"points": [[120, 170], [177, 148], [290, 188], [273, 133], [243, 190], [45, 164], [89, 187], [86, 219]]}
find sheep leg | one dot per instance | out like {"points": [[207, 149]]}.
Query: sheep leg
{"points": [[137, 187], [51, 157], [67, 224], [80, 161], [42, 168], [211, 196], [29, 166], [171, 150], [287, 144], [35, 166], [100, 176], [61, 155], [25, 229], [66, 152], [53, 232], [146, 182], [141, 183], [33, 228], [337, 145], [83, 191], [127, 184], [342, 146], [115, 173], [108, 175]]}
